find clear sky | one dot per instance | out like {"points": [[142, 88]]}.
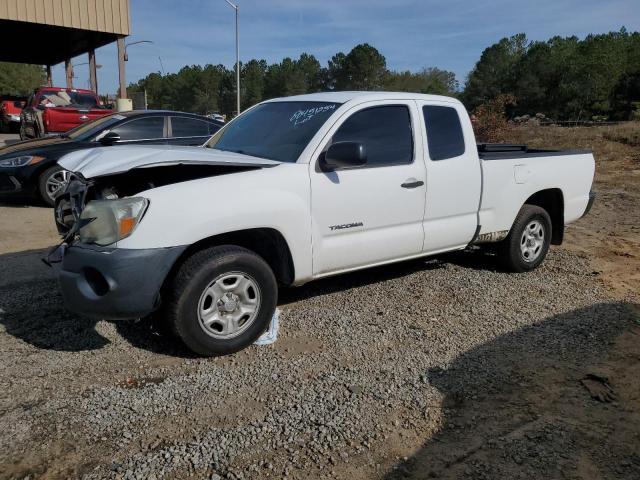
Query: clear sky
{"points": [[411, 34]]}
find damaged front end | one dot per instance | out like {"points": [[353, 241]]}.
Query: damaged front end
{"points": [[80, 191]]}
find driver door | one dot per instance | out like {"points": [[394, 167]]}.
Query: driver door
{"points": [[372, 213]]}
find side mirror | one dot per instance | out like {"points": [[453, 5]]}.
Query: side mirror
{"points": [[110, 138], [344, 155]]}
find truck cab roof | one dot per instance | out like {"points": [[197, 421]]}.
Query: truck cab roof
{"points": [[357, 97]]}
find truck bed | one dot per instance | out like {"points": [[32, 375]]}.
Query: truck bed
{"points": [[504, 151]]}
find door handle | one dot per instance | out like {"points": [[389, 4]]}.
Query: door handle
{"points": [[411, 183]]}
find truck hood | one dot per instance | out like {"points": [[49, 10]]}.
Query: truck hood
{"points": [[98, 162]]}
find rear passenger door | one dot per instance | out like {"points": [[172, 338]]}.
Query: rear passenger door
{"points": [[189, 130], [453, 177], [142, 131]]}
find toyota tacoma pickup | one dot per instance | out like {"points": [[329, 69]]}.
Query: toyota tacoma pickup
{"points": [[293, 190], [55, 110]]}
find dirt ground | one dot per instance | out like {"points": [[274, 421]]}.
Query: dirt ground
{"points": [[552, 397]]}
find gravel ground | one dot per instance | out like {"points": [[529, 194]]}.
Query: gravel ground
{"points": [[348, 389]]}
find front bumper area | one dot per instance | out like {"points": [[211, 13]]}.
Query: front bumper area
{"points": [[9, 184], [112, 283]]}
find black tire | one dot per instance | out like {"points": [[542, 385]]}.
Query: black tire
{"points": [[195, 275], [42, 184], [510, 249]]}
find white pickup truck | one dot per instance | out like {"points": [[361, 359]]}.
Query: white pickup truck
{"points": [[293, 190]]}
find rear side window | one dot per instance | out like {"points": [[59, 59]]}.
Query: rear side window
{"points": [[189, 127], [444, 132], [384, 131], [141, 129]]}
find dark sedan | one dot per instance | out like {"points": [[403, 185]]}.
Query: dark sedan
{"points": [[30, 168]]}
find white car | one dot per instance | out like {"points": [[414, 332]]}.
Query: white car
{"points": [[297, 189]]}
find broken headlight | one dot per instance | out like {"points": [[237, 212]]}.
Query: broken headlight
{"points": [[104, 222]]}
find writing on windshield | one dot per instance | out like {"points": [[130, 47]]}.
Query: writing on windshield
{"points": [[274, 130]]}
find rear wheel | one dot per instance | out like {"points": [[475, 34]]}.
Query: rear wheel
{"points": [[52, 182], [528, 242], [221, 300]]}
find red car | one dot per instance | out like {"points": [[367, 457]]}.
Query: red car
{"points": [[55, 110], [10, 109]]}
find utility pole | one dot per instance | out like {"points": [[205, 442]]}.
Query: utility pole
{"points": [[236, 8]]}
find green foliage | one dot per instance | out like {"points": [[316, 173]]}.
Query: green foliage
{"points": [[564, 78], [20, 79], [213, 88], [429, 80]]}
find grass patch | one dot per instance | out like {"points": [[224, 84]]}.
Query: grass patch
{"points": [[626, 133]]}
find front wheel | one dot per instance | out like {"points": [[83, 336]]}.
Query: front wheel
{"points": [[52, 182], [221, 300], [528, 242]]}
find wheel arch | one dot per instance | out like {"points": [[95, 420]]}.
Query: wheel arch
{"points": [[551, 200], [268, 243]]}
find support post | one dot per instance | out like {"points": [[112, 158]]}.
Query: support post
{"points": [[49, 77], [121, 72], [93, 74], [237, 63], [68, 71]]}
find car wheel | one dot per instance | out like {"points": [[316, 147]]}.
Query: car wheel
{"points": [[528, 241], [221, 300], [52, 182]]}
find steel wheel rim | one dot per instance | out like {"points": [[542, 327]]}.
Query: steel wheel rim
{"points": [[229, 305], [56, 183], [532, 241]]}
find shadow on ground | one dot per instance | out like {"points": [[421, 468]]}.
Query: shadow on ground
{"points": [[559, 399], [31, 307]]}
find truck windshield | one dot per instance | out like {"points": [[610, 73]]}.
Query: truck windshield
{"points": [[275, 130], [68, 98]]}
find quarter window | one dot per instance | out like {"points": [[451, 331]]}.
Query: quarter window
{"points": [[141, 129], [444, 132], [384, 131], [189, 127]]}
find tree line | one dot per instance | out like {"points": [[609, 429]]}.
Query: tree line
{"points": [[565, 78], [212, 88]]}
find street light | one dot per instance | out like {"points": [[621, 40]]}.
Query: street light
{"points": [[126, 55], [236, 8]]}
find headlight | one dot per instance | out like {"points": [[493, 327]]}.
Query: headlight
{"points": [[107, 221], [20, 161]]}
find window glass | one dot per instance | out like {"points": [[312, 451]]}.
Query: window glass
{"points": [[274, 130], [384, 131], [142, 128], [214, 127], [444, 132], [68, 98], [189, 127]]}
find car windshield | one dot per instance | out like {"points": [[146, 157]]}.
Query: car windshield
{"points": [[275, 130], [68, 98], [87, 130]]}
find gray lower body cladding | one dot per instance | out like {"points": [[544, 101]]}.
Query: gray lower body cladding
{"points": [[114, 283]]}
